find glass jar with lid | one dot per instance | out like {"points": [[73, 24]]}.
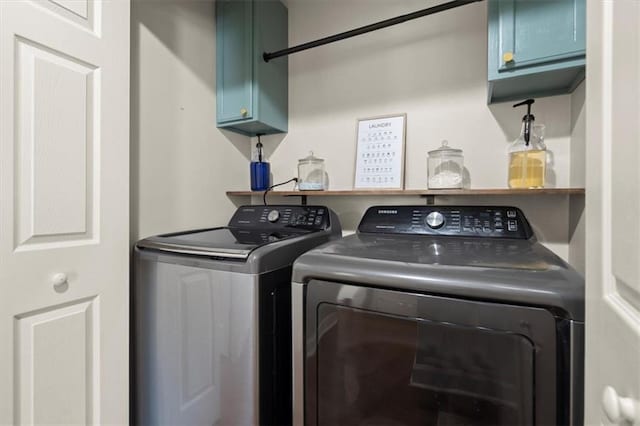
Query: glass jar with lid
{"points": [[311, 174], [445, 167]]}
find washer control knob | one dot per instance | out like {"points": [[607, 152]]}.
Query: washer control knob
{"points": [[435, 220], [273, 216]]}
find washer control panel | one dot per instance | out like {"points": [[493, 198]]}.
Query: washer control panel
{"points": [[281, 216], [465, 221]]}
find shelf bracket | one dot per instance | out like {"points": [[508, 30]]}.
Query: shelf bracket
{"points": [[431, 199], [303, 199]]}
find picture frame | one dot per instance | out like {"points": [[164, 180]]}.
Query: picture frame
{"points": [[380, 152]]}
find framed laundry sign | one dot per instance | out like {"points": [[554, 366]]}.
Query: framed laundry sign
{"points": [[380, 152]]}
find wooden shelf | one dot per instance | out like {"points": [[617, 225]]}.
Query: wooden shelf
{"points": [[418, 192]]}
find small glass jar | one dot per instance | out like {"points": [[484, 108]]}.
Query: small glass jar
{"points": [[445, 168], [311, 175]]}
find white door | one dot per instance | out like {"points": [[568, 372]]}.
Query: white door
{"points": [[64, 173], [613, 213]]}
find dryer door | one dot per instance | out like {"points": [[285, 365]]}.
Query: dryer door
{"points": [[377, 356]]}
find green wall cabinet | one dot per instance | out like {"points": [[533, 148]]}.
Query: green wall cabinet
{"points": [[535, 48], [252, 95]]}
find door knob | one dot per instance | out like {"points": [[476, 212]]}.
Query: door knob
{"points": [[617, 408], [60, 281], [507, 57], [244, 112]]}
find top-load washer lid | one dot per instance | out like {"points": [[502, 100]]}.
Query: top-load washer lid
{"points": [[250, 228], [225, 242]]}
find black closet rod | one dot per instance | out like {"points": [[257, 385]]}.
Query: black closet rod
{"points": [[366, 29]]}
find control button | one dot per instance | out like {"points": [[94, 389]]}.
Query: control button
{"points": [[512, 225], [318, 220], [435, 220], [511, 213], [273, 216], [486, 229]]}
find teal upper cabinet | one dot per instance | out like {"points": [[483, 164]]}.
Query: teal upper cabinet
{"points": [[535, 48], [251, 94]]}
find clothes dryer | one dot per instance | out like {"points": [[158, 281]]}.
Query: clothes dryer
{"points": [[437, 315]]}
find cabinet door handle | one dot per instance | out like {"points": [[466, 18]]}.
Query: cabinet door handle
{"points": [[507, 57], [244, 112]]}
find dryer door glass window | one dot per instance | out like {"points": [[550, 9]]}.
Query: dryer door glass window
{"points": [[375, 368]]}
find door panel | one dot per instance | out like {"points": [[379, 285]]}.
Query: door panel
{"points": [[612, 210], [54, 142], [57, 382], [625, 154], [84, 13], [80, 7], [64, 132]]}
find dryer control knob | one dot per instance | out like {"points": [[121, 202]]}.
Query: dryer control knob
{"points": [[435, 220], [273, 216]]}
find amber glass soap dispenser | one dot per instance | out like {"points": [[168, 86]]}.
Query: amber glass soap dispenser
{"points": [[528, 154]]}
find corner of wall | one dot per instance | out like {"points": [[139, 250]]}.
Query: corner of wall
{"points": [[577, 179]]}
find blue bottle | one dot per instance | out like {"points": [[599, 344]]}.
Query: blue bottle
{"points": [[260, 170]]}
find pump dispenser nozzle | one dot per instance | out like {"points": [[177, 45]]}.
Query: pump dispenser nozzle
{"points": [[527, 154], [527, 119], [259, 147]]}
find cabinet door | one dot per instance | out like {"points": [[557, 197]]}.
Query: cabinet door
{"points": [[538, 32], [234, 41]]}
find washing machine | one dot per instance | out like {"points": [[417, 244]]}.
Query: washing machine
{"points": [[212, 318], [437, 315]]}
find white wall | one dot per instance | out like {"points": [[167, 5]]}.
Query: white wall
{"points": [[181, 165], [434, 69]]}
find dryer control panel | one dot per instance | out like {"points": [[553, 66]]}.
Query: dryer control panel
{"points": [[464, 221], [281, 216]]}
